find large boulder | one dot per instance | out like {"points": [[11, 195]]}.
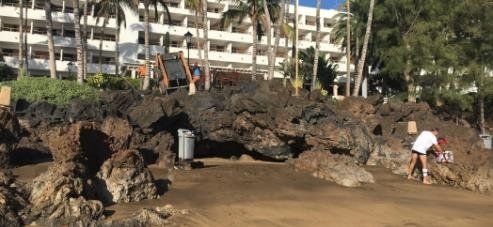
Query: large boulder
{"points": [[339, 169], [58, 196], [391, 154], [82, 143], [118, 131], [9, 135], [125, 178], [346, 139], [478, 177], [42, 111], [118, 103], [64, 143], [81, 110], [154, 113]]}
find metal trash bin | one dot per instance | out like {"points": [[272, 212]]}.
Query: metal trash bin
{"points": [[486, 140], [186, 144]]}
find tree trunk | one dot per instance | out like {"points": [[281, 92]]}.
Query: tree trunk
{"points": [[207, 70], [84, 41], [20, 59], [361, 64], [296, 66], [117, 41], [348, 48], [147, 49], [78, 41], [199, 40], [481, 115], [270, 51], [286, 18], [277, 34], [49, 33], [411, 88], [317, 47], [26, 53], [254, 46], [100, 52]]}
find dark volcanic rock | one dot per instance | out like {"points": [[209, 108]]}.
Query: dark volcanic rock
{"points": [[117, 103], [125, 178], [12, 202], [82, 110], [44, 112], [9, 134], [154, 113], [349, 139]]}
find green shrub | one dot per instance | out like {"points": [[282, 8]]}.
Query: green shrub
{"points": [[59, 92], [106, 81]]}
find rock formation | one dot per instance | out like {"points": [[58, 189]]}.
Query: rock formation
{"points": [[12, 201], [9, 134], [125, 178], [337, 168]]}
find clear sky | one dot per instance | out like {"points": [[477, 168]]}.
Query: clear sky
{"points": [[326, 4]]}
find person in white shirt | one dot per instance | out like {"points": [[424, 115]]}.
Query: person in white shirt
{"points": [[425, 141]]}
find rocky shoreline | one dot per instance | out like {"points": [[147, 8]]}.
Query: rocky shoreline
{"points": [[100, 152]]}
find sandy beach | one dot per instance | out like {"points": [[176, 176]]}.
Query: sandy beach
{"points": [[237, 193]]}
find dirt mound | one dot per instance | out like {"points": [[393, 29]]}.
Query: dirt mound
{"points": [[336, 168], [125, 178]]}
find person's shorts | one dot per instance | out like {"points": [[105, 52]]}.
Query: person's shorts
{"points": [[416, 152], [195, 76]]}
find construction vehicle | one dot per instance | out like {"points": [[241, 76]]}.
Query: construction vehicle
{"points": [[173, 71]]}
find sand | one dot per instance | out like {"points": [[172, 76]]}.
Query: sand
{"points": [[250, 193]]}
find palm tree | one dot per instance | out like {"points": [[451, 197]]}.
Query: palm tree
{"points": [[49, 33], [362, 59], [271, 11], [105, 9], [285, 27], [243, 9], [277, 32], [317, 47], [21, 40], [101, 35], [78, 42], [206, 46], [296, 58], [348, 49], [267, 24], [147, 50], [84, 39], [196, 5]]}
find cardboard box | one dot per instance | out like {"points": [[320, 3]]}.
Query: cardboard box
{"points": [[5, 95]]}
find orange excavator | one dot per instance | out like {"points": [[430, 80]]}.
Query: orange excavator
{"points": [[174, 69]]}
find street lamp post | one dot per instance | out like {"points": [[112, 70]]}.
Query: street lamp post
{"points": [[188, 38]]}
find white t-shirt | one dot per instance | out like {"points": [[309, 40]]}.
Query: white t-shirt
{"points": [[424, 141]]}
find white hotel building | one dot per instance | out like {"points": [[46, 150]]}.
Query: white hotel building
{"points": [[230, 47]]}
